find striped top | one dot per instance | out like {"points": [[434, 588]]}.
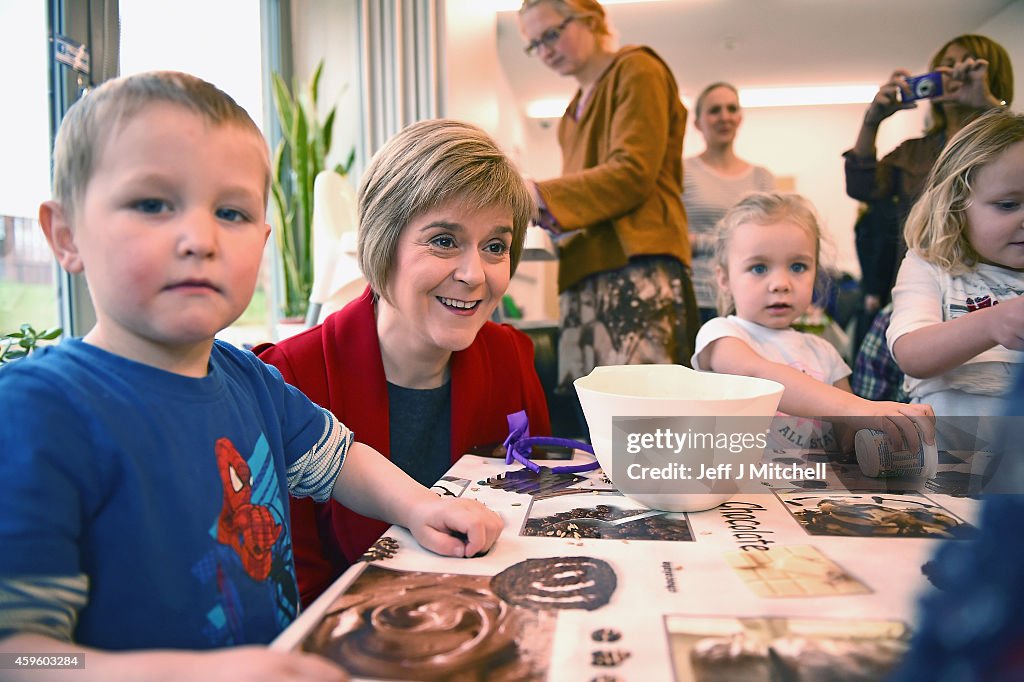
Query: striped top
{"points": [[707, 195]]}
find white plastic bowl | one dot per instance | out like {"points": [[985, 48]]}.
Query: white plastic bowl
{"points": [[672, 391]]}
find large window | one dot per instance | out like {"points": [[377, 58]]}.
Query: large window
{"points": [[28, 291], [219, 42]]}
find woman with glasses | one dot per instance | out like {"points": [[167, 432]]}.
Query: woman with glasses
{"points": [[715, 180], [616, 211]]}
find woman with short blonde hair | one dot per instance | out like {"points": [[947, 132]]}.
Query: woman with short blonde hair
{"points": [[415, 365]]}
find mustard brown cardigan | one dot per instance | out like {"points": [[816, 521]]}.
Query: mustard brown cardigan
{"points": [[622, 170]]}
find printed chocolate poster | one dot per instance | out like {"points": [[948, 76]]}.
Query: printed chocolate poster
{"points": [[740, 649], [909, 515], [602, 516], [588, 584], [415, 625]]}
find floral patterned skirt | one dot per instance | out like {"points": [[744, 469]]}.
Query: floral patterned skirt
{"points": [[643, 313]]}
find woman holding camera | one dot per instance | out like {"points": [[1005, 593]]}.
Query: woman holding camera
{"points": [[976, 75]]}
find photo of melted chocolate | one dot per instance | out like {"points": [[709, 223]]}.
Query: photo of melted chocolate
{"points": [[872, 515], [578, 582], [759, 649], [430, 626], [609, 522]]}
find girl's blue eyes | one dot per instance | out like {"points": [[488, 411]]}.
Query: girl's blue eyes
{"points": [[760, 269], [1007, 205]]}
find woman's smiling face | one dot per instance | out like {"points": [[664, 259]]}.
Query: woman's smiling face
{"points": [[451, 269]]}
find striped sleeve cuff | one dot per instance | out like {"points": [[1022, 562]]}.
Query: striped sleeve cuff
{"points": [[46, 605], [314, 473]]}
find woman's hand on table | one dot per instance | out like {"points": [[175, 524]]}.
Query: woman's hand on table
{"points": [[454, 527]]}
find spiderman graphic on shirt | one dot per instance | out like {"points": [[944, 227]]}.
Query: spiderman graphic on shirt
{"points": [[252, 545], [250, 529]]}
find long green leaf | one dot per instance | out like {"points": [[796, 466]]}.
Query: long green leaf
{"points": [[298, 159], [327, 132], [284, 103], [303, 192], [314, 85]]}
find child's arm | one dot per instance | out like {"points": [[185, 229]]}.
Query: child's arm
{"points": [[938, 348], [805, 396], [372, 485], [244, 664]]}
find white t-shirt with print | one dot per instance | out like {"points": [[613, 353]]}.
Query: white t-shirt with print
{"points": [[924, 295], [812, 355]]}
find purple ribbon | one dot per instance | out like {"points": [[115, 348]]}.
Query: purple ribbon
{"points": [[519, 444]]}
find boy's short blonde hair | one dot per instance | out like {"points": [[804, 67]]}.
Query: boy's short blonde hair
{"points": [[762, 208], [91, 120], [936, 228], [427, 165]]}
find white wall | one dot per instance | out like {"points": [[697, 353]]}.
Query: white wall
{"points": [[329, 30], [1007, 28]]}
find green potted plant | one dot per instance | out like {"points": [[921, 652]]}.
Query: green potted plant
{"points": [[15, 345], [299, 156]]}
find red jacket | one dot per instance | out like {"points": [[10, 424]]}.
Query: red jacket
{"points": [[338, 365]]}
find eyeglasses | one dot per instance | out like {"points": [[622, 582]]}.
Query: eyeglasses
{"points": [[548, 37]]}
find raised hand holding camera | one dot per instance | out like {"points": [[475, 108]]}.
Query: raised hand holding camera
{"points": [[887, 100], [967, 83]]}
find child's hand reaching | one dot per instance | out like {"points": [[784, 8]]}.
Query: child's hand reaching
{"points": [[898, 421], [454, 527], [1008, 323]]}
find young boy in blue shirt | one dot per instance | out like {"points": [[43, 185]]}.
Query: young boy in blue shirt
{"points": [[146, 467]]}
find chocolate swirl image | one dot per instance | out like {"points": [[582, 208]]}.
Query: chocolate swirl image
{"points": [[566, 524], [429, 626], [557, 583]]}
